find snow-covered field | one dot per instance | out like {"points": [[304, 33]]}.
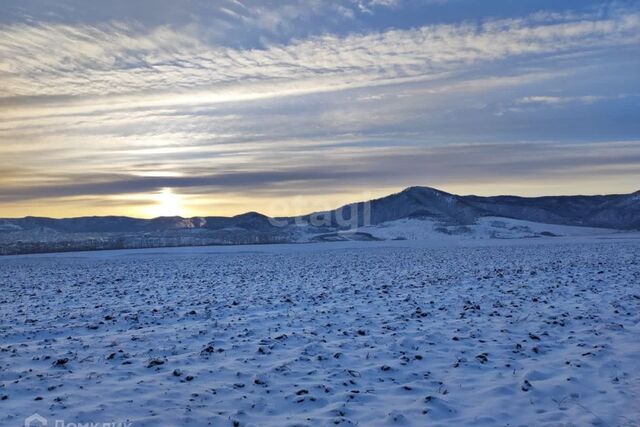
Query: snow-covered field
{"points": [[502, 333], [483, 228]]}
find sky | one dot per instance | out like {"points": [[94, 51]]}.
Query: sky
{"points": [[217, 107]]}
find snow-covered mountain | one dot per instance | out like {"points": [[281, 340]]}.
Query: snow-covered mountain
{"points": [[415, 213], [619, 211]]}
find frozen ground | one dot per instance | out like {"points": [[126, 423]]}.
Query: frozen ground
{"points": [[502, 333]]}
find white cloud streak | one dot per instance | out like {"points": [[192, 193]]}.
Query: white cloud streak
{"points": [[120, 58], [563, 100]]}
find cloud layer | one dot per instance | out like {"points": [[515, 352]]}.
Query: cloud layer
{"points": [[119, 58], [125, 109]]}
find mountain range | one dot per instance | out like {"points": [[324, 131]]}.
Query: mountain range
{"points": [[418, 207]]}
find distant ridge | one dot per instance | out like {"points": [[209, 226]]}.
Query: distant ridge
{"points": [[36, 234], [616, 211]]}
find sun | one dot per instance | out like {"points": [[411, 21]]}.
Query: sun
{"points": [[167, 203]]}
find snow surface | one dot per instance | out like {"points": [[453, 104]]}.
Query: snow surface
{"points": [[484, 228], [503, 332]]}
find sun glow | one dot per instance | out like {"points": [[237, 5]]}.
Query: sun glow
{"points": [[167, 204]]}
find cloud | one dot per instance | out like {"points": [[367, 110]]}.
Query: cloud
{"points": [[127, 184], [352, 168], [122, 58], [560, 100], [367, 6], [120, 108]]}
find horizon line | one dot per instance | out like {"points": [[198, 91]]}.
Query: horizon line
{"points": [[314, 212]]}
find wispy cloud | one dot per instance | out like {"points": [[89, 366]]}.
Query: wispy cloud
{"points": [[562, 100], [445, 164], [149, 107], [120, 58]]}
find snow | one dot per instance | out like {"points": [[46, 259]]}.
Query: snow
{"points": [[484, 228], [487, 332]]}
